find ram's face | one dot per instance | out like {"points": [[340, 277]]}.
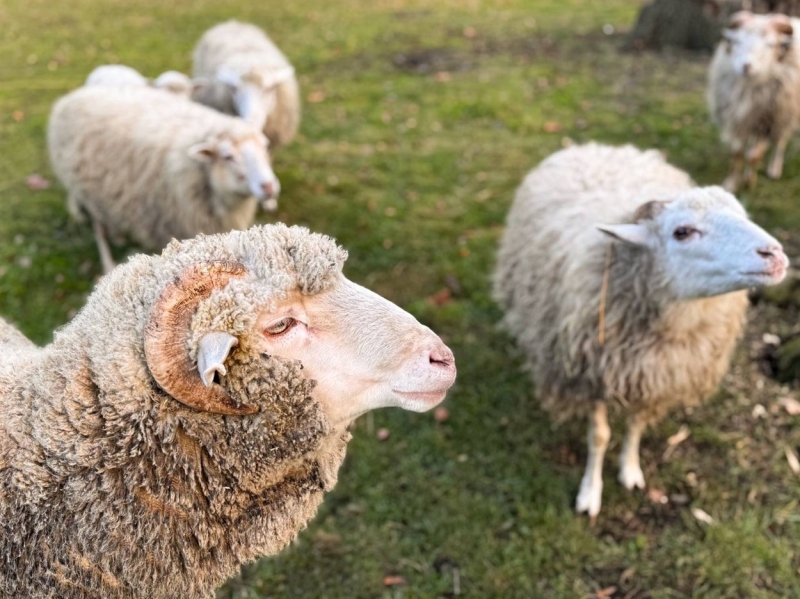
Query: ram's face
{"points": [[363, 351]]}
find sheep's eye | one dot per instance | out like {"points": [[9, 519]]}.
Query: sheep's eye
{"points": [[280, 327], [683, 233]]}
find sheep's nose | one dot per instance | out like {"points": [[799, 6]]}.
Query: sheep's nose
{"points": [[268, 187], [440, 357], [770, 252], [746, 68]]}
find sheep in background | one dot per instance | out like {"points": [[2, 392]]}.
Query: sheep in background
{"points": [[248, 75], [624, 286], [754, 92], [193, 414], [119, 75], [154, 167]]}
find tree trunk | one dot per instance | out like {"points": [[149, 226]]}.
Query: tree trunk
{"points": [[694, 24]]}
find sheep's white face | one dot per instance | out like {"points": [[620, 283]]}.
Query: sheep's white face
{"points": [[239, 168], [255, 94], [756, 44], [363, 351], [705, 244]]}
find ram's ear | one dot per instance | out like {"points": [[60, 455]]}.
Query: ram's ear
{"points": [[633, 234], [212, 351]]}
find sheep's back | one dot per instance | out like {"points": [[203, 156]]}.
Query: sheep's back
{"points": [[237, 45]]}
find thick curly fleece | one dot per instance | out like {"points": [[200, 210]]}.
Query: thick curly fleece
{"points": [[110, 488]]}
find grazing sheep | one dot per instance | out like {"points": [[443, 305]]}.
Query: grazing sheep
{"points": [[754, 92], [118, 75], [248, 75], [152, 166], [638, 314], [193, 414]]}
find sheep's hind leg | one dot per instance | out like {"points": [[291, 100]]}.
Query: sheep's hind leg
{"points": [[102, 246], [591, 491], [630, 470], [775, 167]]}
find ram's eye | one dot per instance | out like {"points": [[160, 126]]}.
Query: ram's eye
{"points": [[280, 327], [683, 233]]}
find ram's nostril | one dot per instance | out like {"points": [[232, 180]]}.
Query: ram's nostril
{"points": [[769, 252]]}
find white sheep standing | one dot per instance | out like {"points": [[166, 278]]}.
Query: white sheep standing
{"points": [[623, 285], [120, 75], [754, 92], [248, 75], [192, 416], [148, 165]]}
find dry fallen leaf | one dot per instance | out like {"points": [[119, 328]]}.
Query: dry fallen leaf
{"points": [[470, 32], [676, 439], [606, 592], [552, 127], [36, 182], [316, 96], [759, 411], [441, 414], [702, 516], [791, 457], [442, 77], [17, 115], [393, 581], [383, 434], [442, 297], [791, 405], [657, 496]]}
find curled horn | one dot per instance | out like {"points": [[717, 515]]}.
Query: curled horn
{"points": [[166, 333]]}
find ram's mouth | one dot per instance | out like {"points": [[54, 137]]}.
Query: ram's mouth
{"points": [[773, 275], [430, 397]]}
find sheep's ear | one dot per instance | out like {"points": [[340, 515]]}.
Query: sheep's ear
{"points": [[205, 151], [278, 76], [782, 25], [199, 83], [634, 234], [212, 352], [739, 18]]}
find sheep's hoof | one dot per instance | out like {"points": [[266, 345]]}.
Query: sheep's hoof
{"points": [[589, 499], [631, 477], [774, 173]]}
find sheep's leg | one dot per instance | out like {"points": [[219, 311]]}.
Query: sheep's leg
{"points": [[754, 157], [775, 168], [591, 491], [102, 246], [731, 182], [630, 471]]}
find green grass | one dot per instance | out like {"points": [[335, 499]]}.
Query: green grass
{"points": [[431, 113]]}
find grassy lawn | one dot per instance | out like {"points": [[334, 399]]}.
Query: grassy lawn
{"points": [[421, 119]]}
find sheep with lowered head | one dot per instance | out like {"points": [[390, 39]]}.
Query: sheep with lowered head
{"points": [[246, 74], [624, 286], [149, 165], [190, 418], [754, 92], [119, 75]]}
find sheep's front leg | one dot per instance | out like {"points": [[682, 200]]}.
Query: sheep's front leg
{"points": [[591, 491], [775, 167], [731, 182], [630, 471], [102, 246], [754, 158]]}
